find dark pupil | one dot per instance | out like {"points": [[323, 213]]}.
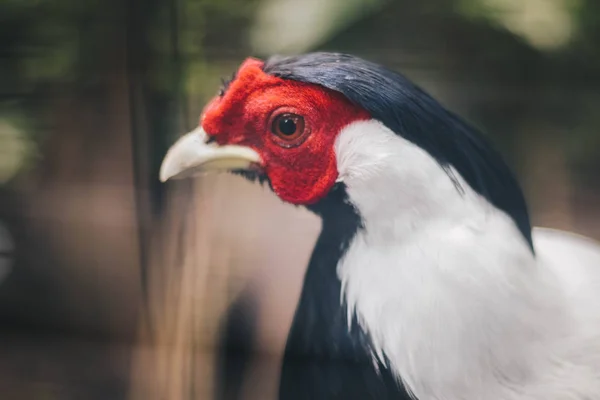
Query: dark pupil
{"points": [[287, 126]]}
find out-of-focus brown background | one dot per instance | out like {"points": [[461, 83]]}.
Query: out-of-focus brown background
{"points": [[112, 285]]}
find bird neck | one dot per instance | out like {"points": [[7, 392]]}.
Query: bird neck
{"points": [[397, 188], [320, 328], [326, 346], [431, 251]]}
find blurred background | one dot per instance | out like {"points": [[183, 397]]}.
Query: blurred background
{"points": [[112, 285]]}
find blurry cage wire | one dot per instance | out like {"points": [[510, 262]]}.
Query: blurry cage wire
{"points": [[188, 289], [144, 138], [174, 358], [150, 139]]}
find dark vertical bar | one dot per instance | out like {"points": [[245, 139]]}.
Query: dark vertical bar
{"points": [[136, 58], [155, 115]]}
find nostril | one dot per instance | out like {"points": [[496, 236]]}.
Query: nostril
{"points": [[211, 139]]}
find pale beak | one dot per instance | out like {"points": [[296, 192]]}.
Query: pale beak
{"points": [[192, 154]]}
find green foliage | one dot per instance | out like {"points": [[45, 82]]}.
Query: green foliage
{"points": [[545, 24]]}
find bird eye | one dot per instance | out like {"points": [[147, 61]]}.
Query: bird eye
{"points": [[286, 126], [289, 128]]}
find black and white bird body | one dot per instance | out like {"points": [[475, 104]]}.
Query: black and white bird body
{"points": [[427, 280]]}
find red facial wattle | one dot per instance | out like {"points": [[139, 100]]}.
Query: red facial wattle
{"points": [[301, 169]]}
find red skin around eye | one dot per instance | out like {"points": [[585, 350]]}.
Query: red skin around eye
{"points": [[302, 174]]}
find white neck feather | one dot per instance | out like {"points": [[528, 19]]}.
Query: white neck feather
{"points": [[397, 185], [444, 283]]}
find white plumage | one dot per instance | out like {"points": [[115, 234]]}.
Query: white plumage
{"points": [[448, 289]]}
